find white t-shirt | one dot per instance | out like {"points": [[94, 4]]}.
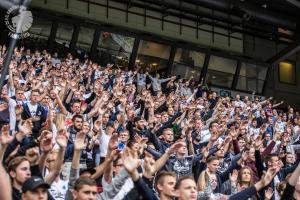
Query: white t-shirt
{"points": [[103, 145], [32, 109], [205, 135], [254, 131], [59, 189], [276, 194]]}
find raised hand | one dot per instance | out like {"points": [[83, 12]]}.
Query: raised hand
{"points": [[130, 160], [214, 137], [258, 142], [116, 124], [101, 111], [276, 136], [205, 153], [18, 109], [234, 176], [227, 140], [233, 133], [25, 126], [271, 172], [80, 142], [113, 155], [113, 142], [141, 140], [105, 97], [149, 167], [3, 106], [46, 143], [244, 156], [32, 155], [62, 138], [176, 146], [5, 137], [269, 193], [97, 125]]}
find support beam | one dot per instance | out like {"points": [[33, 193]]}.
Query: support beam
{"points": [[236, 75], [171, 59], [285, 53], [204, 68], [74, 39], [51, 38], [95, 43], [134, 53]]}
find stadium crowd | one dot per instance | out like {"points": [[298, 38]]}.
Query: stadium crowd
{"points": [[77, 130]]}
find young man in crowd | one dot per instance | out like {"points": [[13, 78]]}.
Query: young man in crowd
{"points": [[35, 188]]}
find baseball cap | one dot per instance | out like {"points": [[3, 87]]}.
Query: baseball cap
{"points": [[33, 183]]}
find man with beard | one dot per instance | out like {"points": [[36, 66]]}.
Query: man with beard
{"points": [[73, 130]]}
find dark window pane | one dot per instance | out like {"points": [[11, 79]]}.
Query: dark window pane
{"points": [[63, 38], [41, 28], [222, 79], [221, 71], [252, 77], [250, 84], [114, 48], [253, 71], [153, 56], [39, 33], [188, 57], [188, 63], [64, 34], [84, 42], [222, 64]]}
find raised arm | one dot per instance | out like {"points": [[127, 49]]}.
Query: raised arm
{"points": [[112, 155], [164, 158], [5, 185], [131, 163], [61, 106], [61, 140], [112, 145]]}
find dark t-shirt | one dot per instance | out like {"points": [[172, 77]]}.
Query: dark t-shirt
{"points": [[288, 192], [16, 194]]}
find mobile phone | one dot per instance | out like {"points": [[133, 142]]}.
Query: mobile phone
{"points": [[121, 146]]}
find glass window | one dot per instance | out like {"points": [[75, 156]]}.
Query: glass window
{"points": [[252, 77], [153, 56], [63, 38], [84, 41], [188, 63], [41, 28], [221, 71], [114, 48], [39, 34], [287, 72], [64, 33]]}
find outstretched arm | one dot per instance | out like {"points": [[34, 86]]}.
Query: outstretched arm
{"points": [[5, 185]]}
